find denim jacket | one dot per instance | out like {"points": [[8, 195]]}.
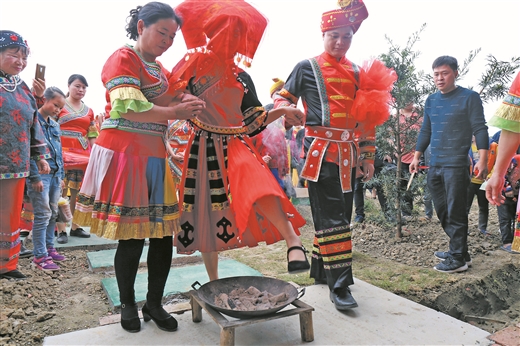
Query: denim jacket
{"points": [[52, 133]]}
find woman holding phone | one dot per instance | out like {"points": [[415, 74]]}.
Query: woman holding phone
{"points": [[79, 131], [20, 140]]}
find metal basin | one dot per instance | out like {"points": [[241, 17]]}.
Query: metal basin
{"points": [[208, 291]]}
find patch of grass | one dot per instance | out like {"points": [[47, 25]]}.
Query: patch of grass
{"points": [[271, 260], [395, 277]]}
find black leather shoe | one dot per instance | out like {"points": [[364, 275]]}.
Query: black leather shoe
{"points": [[13, 274], [162, 319], [294, 267], [130, 318], [24, 252], [79, 232], [62, 239], [342, 299]]}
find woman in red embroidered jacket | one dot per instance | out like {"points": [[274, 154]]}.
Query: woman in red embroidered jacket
{"points": [[78, 133], [128, 193]]}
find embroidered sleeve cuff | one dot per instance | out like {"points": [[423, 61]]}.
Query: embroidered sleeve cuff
{"points": [[41, 157], [123, 106], [254, 120], [368, 156], [92, 132]]}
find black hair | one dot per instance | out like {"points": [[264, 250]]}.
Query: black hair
{"points": [[446, 60], [150, 14], [51, 92], [73, 77], [25, 50]]}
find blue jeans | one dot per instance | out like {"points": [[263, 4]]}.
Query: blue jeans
{"points": [[428, 205], [448, 188], [45, 205]]}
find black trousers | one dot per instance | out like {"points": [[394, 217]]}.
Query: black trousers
{"points": [[331, 214], [126, 263], [448, 187], [506, 219]]}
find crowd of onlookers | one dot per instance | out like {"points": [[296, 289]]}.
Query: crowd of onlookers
{"points": [[67, 117]]}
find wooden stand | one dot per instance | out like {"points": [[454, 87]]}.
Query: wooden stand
{"points": [[227, 328]]}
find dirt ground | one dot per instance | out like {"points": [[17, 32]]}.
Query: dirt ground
{"points": [[487, 295]]}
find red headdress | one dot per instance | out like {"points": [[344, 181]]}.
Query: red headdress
{"points": [[352, 13], [203, 20]]}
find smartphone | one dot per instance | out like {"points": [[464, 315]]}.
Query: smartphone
{"points": [[40, 72]]}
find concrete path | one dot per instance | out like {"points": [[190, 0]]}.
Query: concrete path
{"points": [[381, 319]]}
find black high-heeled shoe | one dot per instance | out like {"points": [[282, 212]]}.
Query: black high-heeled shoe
{"points": [[130, 318], [162, 319], [294, 267]]}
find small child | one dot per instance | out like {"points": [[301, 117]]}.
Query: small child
{"points": [[507, 211], [45, 189]]}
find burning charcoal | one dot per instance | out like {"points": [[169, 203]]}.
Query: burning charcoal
{"points": [[253, 291], [279, 298], [248, 303], [263, 306], [222, 301]]}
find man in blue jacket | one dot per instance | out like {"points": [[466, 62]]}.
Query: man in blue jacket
{"points": [[451, 117]]}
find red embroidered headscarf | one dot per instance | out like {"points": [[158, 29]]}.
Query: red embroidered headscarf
{"points": [[204, 20]]}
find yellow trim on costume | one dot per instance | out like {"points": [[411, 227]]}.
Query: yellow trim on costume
{"points": [[116, 230], [338, 80], [339, 115], [340, 97], [126, 93], [169, 185], [508, 112]]}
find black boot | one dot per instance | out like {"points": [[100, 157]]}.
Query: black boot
{"points": [[162, 319], [130, 318]]}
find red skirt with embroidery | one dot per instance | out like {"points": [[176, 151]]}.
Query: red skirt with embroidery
{"points": [[223, 179]]}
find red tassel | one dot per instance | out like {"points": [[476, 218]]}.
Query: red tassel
{"points": [[372, 103]]}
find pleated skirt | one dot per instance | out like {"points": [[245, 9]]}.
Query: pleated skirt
{"points": [[128, 191]]}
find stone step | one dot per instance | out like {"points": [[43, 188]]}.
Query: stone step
{"points": [[104, 260], [92, 243]]}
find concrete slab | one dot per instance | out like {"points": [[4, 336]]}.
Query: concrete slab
{"points": [[179, 280], [92, 243], [103, 260], [381, 319]]}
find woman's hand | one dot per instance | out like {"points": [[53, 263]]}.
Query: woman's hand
{"points": [[38, 187], [293, 116], [494, 187], [178, 157], [43, 167], [189, 107], [38, 87]]}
